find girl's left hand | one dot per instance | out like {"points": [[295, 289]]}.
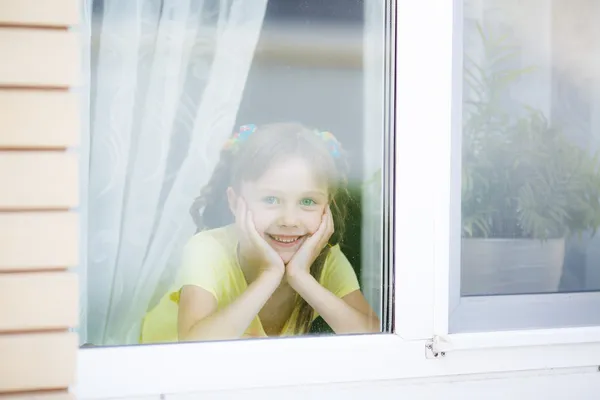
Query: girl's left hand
{"points": [[311, 248]]}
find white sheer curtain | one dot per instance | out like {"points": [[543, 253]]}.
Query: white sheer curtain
{"points": [[166, 82]]}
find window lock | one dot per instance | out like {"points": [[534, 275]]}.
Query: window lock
{"points": [[432, 349]]}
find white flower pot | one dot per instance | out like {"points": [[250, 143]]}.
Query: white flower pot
{"points": [[510, 266]]}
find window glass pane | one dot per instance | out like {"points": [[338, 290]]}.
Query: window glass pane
{"points": [[530, 166], [235, 170]]}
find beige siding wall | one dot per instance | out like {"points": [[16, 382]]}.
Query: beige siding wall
{"points": [[39, 121]]}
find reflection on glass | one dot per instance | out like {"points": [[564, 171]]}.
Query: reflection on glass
{"points": [[530, 170], [234, 170]]}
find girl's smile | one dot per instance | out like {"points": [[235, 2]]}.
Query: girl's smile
{"points": [[285, 241]]}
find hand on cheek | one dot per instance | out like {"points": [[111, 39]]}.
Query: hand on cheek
{"points": [[311, 248], [253, 246]]}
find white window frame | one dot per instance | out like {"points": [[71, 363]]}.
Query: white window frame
{"points": [[425, 42]]}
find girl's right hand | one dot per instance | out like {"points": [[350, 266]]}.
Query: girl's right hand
{"points": [[253, 248]]}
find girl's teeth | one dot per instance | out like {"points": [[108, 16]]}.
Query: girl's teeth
{"points": [[282, 240]]}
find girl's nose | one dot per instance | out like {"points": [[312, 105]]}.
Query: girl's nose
{"points": [[289, 216]]}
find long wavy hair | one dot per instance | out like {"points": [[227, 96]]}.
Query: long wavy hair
{"points": [[250, 159]]}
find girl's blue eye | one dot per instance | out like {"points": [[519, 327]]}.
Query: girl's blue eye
{"points": [[307, 202], [271, 200]]}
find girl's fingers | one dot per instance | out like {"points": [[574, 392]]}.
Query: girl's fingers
{"points": [[327, 232], [330, 225], [243, 208], [324, 228], [248, 231], [316, 239], [327, 228], [240, 212], [248, 225], [242, 220], [251, 229]]}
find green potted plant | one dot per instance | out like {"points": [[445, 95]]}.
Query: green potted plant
{"points": [[525, 187]]}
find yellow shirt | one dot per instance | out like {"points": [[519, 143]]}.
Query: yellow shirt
{"points": [[210, 262]]}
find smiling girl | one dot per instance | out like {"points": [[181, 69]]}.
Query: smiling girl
{"points": [[278, 265]]}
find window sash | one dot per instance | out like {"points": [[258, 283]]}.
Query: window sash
{"points": [[453, 314]]}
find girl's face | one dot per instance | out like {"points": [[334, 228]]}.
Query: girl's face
{"points": [[287, 203]]}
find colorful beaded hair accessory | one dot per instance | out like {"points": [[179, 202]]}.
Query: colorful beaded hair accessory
{"points": [[333, 145]]}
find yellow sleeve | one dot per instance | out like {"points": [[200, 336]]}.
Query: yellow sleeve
{"points": [[204, 264], [338, 275]]}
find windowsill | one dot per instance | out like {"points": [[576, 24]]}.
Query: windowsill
{"points": [[197, 367]]}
